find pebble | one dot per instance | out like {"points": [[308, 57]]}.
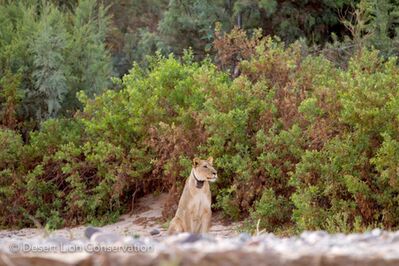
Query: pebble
{"points": [[154, 232], [192, 238]]}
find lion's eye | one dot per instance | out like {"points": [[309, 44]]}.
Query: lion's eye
{"points": [[205, 166]]}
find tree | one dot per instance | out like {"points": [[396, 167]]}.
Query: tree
{"points": [[55, 53], [191, 22], [383, 25], [88, 58], [50, 72]]}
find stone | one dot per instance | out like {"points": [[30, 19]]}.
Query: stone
{"points": [[154, 232], [90, 231], [192, 238], [243, 237]]}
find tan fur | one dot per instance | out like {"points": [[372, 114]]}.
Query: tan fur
{"points": [[194, 211]]}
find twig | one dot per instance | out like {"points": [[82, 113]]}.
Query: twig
{"points": [[257, 229], [134, 195]]}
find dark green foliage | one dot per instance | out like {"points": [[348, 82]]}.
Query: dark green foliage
{"points": [[54, 54], [383, 25], [191, 23], [50, 72], [143, 27], [133, 34], [89, 60]]}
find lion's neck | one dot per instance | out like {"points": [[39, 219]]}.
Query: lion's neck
{"points": [[198, 183], [195, 182]]}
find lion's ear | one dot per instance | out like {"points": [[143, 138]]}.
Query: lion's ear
{"points": [[210, 160], [196, 161]]}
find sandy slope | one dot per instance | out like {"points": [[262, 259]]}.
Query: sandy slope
{"points": [[146, 217]]}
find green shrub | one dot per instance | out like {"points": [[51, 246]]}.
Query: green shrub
{"points": [[225, 200], [343, 185], [10, 149], [271, 211], [297, 142]]}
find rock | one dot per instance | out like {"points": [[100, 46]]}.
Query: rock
{"points": [[96, 235], [243, 237], [192, 238], [376, 232], [395, 237], [154, 232], [89, 231]]}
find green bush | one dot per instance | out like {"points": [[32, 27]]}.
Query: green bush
{"points": [[298, 143], [271, 211], [11, 147], [344, 184]]}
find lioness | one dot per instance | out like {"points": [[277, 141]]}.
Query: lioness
{"points": [[194, 211]]}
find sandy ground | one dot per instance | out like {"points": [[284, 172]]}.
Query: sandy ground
{"points": [[376, 247], [145, 218]]}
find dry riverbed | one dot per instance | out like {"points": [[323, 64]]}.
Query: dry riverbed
{"points": [[130, 242]]}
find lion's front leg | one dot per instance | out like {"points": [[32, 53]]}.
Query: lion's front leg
{"points": [[206, 222], [176, 226]]}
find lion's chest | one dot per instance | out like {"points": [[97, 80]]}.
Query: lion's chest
{"points": [[199, 203]]}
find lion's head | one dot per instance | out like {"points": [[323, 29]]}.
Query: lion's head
{"points": [[203, 169]]}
